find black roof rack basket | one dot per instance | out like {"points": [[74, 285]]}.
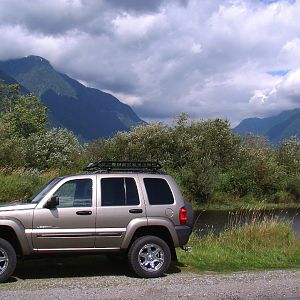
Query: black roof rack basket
{"points": [[124, 166]]}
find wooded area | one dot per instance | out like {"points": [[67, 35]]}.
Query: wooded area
{"points": [[210, 163]]}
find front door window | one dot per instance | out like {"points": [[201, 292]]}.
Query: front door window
{"points": [[75, 193]]}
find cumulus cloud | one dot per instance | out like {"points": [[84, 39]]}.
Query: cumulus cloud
{"points": [[284, 94], [222, 58]]}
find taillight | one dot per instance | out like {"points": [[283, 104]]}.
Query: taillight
{"points": [[183, 215]]}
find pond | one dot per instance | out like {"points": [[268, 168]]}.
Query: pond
{"points": [[216, 221]]}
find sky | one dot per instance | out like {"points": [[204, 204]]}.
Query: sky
{"points": [[232, 59]]}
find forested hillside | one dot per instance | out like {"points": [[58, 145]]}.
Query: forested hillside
{"points": [[275, 128], [88, 112], [211, 163]]}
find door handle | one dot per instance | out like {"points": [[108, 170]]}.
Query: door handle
{"points": [[136, 211], [83, 212]]}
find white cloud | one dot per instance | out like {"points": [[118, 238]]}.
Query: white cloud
{"points": [[207, 58], [284, 94], [134, 27]]}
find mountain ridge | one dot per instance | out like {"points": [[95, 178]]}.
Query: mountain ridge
{"points": [[88, 112], [276, 128]]}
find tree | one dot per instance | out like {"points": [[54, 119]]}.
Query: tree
{"points": [[12, 147], [26, 113], [29, 115], [56, 148], [288, 155], [8, 96], [255, 170], [193, 152]]}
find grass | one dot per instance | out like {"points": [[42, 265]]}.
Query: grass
{"points": [[259, 244], [21, 184], [249, 202], [243, 205], [225, 201]]}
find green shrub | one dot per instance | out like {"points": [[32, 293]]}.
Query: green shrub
{"points": [[281, 197], [21, 184], [293, 187], [53, 149]]}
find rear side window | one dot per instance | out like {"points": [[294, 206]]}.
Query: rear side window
{"points": [[158, 191], [119, 192]]}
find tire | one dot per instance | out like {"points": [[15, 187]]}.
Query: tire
{"points": [[149, 257], [8, 260]]}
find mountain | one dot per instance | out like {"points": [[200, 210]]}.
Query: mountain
{"points": [[7, 79], [88, 112], [275, 128]]}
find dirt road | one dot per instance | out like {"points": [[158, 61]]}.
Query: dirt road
{"points": [[92, 280]]}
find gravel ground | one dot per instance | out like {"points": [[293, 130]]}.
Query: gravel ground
{"points": [[180, 285]]}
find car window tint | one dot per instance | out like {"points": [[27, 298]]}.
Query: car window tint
{"points": [[158, 191], [119, 192], [132, 196]]}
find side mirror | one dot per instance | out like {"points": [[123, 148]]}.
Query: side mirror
{"points": [[52, 202]]}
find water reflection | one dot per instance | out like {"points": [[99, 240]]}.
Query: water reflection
{"points": [[217, 221]]}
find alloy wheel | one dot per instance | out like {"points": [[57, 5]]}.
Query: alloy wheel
{"points": [[3, 260], [151, 257]]}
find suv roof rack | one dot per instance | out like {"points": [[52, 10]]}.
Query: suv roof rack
{"points": [[109, 166]]}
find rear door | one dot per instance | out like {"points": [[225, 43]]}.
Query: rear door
{"points": [[119, 201], [161, 193]]}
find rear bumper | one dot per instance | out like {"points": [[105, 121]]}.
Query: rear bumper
{"points": [[183, 233]]}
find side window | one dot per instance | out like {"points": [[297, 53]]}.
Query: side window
{"points": [[158, 191], [75, 193], [119, 192]]}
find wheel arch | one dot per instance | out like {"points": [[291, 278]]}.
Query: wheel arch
{"points": [[158, 231], [7, 233], [13, 231]]}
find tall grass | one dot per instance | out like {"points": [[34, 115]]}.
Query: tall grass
{"points": [[19, 184], [260, 243]]}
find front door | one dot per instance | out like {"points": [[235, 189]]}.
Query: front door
{"points": [[72, 223]]}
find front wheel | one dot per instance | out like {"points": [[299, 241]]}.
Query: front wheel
{"points": [[149, 256], [8, 260]]}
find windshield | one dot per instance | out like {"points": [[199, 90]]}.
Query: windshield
{"points": [[36, 198]]}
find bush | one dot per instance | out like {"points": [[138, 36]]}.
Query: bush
{"points": [[21, 184], [194, 151], [293, 187], [12, 147], [254, 172], [56, 148], [200, 179], [281, 197]]}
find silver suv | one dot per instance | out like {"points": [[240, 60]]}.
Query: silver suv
{"points": [[126, 208]]}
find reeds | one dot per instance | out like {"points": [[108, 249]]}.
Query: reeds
{"points": [[252, 240]]}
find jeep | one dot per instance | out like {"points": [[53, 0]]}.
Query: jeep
{"points": [[117, 207]]}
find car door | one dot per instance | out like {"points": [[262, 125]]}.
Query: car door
{"points": [[72, 223], [119, 202]]}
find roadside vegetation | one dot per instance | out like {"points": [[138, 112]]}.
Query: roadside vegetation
{"points": [[214, 167], [258, 244]]}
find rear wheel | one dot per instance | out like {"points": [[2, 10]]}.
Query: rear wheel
{"points": [[149, 257], [8, 260]]}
